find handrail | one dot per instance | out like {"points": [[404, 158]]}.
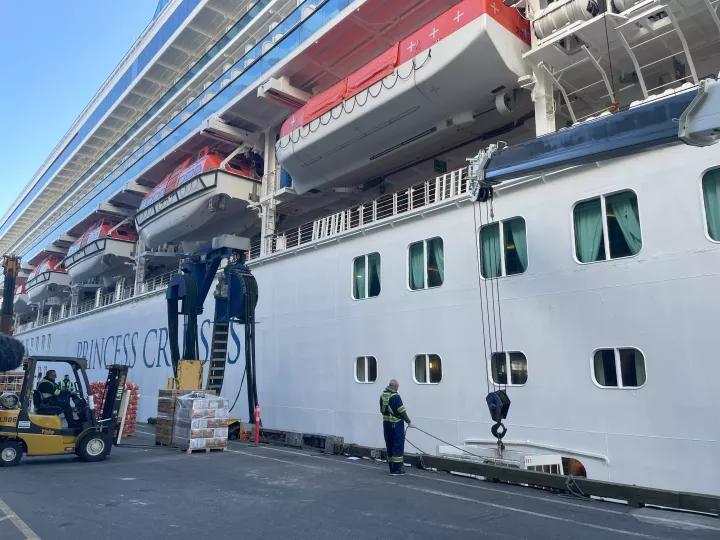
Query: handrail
{"points": [[418, 196], [149, 286]]}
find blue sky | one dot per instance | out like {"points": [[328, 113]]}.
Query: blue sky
{"points": [[55, 55]]}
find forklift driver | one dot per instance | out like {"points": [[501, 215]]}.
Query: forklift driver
{"points": [[52, 395]]}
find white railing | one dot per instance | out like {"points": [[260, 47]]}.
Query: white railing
{"points": [[431, 192], [150, 285]]}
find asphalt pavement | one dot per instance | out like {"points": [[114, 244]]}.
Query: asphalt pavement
{"points": [[279, 493]]}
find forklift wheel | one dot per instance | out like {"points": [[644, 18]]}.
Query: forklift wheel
{"points": [[11, 453], [93, 447]]}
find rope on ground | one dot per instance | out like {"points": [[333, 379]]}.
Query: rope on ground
{"points": [[445, 442], [573, 488]]}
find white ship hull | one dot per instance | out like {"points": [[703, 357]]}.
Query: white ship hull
{"points": [[107, 257], [208, 205], [558, 313]]}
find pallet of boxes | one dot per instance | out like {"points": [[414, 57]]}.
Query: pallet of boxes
{"points": [[192, 420]]}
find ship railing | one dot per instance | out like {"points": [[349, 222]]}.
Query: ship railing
{"points": [[431, 192], [156, 283], [25, 326]]}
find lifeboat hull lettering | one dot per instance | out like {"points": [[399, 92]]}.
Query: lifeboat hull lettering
{"points": [[208, 205]]}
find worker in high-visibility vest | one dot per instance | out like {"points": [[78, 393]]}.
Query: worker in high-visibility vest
{"points": [[394, 413], [67, 385], [52, 395]]}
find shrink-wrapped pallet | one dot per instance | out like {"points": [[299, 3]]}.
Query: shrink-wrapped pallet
{"points": [[200, 421]]}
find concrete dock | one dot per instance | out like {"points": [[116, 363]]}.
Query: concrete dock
{"points": [[271, 492]]}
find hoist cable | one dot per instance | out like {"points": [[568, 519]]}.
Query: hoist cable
{"points": [[476, 235], [497, 271], [497, 292]]}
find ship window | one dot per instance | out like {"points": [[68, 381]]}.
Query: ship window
{"points": [[507, 258], [428, 369], [514, 363], [426, 264], [607, 227], [366, 276], [711, 196], [619, 368], [366, 369]]}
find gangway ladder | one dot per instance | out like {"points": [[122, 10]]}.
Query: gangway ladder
{"points": [[218, 355]]}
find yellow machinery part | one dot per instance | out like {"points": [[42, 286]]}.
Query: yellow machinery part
{"points": [[8, 419], [48, 444], [49, 421], [190, 375]]}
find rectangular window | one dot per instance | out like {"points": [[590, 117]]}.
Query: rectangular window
{"points": [[427, 369], [366, 369], [619, 368], [505, 258], [366, 276], [607, 227], [426, 264], [514, 363], [711, 198]]}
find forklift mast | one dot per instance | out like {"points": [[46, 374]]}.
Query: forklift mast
{"points": [[114, 389], [11, 267]]}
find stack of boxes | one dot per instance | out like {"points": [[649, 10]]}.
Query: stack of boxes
{"points": [[201, 422], [167, 402]]}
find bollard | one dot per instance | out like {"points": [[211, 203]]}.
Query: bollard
{"points": [[257, 425]]}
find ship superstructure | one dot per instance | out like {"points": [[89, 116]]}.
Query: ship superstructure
{"points": [[334, 135]]}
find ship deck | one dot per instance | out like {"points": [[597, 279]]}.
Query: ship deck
{"points": [[271, 492]]}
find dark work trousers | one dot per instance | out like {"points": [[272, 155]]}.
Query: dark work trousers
{"points": [[395, 444], [66, 409]]}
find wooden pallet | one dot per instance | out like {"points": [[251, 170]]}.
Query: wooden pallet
{"points": [[206, 450]]}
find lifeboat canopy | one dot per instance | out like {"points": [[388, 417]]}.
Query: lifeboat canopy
{"points": [[440, 77], [48, 282], [205, 196], [105, 251]]}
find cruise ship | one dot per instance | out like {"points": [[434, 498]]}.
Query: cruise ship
{"points": [[463, 195]]}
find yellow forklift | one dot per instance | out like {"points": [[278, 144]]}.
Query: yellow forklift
{"points": [[30, 426]]}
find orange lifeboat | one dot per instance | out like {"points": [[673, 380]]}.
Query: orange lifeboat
{"points": [[47, 281], [205, 196], [440, 77], [104, 250]]}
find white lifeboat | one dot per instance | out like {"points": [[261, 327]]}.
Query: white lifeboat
{"points": [[21, 302], [104, 250], [48, 280], [205, 196], [441, 76]]}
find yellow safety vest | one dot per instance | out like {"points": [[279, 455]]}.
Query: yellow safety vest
{"points": [[387, 412]]}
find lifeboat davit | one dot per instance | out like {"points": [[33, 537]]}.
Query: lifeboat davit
{"points": [[205, 196], [439, 77], [105, 250], [21, 302], [48, 280]]}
